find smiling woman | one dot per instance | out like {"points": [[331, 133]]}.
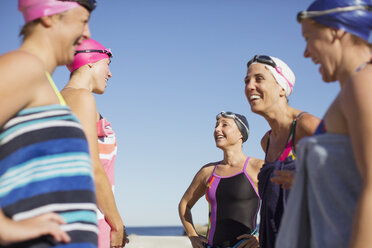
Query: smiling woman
{"points": [[89, 74], [44, 156], [339, 153], [268, 83], [230, 187]]}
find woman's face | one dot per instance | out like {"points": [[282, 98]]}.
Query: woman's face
{"points": [[261, 89], [71, 28], [226, 133], [321, 47], [100, 75]]}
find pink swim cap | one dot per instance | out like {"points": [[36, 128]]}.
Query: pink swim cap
{"points": [[89, 51], [34, 9]]}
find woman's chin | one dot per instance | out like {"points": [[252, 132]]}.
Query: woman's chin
{"points": [[255, 109], [219, 145]]}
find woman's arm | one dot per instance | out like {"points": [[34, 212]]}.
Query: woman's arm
{"points": [[82, 103], [264, 141], [194, 192], [18, 231], [356, 104]]}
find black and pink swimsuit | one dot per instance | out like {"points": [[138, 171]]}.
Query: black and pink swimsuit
{"points": [[233, 207]]}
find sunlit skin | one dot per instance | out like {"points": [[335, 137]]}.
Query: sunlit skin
{"points": [[350, 112], [227, 133], [72, 24], [66, 32], [23, 230], [100, 75], [322, 47], [262, 91], [229, 139]]}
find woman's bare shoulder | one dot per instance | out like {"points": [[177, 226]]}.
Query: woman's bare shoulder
{"points": [[306, 125], [205, 172], [256, 163], [78, 96], [21, 68], [208, 168]]}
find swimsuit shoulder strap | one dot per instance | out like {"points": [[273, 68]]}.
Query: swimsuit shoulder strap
{"points": [[293, 130], [268, 143], [60, 97], [290, 141], [214, 170], [246, 163]]}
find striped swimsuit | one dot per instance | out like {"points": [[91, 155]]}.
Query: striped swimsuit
{"points": [[45, 167], [107, 153], [233, 207]]}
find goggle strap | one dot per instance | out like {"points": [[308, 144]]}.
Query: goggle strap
{"points": [[95, 51], [233, 116], [90, 5], [308, 14]]}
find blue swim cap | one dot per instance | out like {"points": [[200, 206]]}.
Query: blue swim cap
{"points": [[353, 16]]}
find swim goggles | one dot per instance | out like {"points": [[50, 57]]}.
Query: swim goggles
{"points": [[106, 51], [309, 14], [267, 60], [89, 4], [231, 115]]}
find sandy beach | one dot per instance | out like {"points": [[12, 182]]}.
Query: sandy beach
{"points": [[139, 241]]}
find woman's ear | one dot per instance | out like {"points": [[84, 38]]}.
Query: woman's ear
{"points": [[282, 92], [47, 21], [340, 33], [337, 34]]}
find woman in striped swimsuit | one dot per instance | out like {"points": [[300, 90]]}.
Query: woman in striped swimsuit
{"points": [[44, 158], [269, 82], [89, 74], [230, 187]]}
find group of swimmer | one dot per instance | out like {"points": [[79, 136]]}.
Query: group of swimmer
{"points": [[314, 186], [57, 152]]}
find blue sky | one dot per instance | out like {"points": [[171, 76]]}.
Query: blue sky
{"points": [[177, 63]]}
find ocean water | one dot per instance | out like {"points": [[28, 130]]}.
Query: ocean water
{"points": [[156, 230]]}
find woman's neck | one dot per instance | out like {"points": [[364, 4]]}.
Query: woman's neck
{"points": [[80, 80], [280, 118], [234, 157], [354, 57], [39, 47]]}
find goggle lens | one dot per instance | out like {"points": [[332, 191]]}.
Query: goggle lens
{"points": [[228, 114], [264, 59]]}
